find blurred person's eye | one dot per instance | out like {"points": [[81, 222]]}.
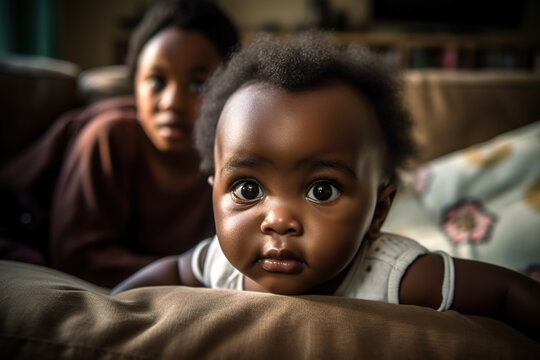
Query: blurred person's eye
{"points": [[196, 85], [157, 82]]}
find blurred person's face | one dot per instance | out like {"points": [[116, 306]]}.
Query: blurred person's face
{"points": [[171, 69], [297, 185]]}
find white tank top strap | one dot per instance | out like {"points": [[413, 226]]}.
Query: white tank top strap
{"points": [[448, 281]]}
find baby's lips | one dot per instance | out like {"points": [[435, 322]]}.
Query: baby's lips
{"points": [[282, 265]]}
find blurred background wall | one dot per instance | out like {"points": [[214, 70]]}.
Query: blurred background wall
{"points": [[94, 32]]}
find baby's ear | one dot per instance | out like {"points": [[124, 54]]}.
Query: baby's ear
{"points": [[385, 198], [387, 193], [211, 180]]}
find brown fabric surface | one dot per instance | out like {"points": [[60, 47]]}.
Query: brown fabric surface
{"points": [[48, 315], [457, 109]]}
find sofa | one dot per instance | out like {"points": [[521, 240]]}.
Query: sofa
{"points": [[36, 90], [463, 119], [475, 190]]}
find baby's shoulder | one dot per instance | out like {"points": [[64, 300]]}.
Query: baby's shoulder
{"points": [[390, 247]]}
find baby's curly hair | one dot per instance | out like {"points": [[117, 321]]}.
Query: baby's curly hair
{"points": [[304, 62]]}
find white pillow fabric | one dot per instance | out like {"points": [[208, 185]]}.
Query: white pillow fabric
{"points": [[479, 203]]}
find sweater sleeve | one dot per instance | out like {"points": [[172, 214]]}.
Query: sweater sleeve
{"points": [[92, 202]]}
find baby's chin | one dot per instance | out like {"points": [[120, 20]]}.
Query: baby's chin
{"points": [[281, 291], [294, 284]]}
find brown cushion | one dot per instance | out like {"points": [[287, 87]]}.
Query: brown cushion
{"points": [[49, 315]]}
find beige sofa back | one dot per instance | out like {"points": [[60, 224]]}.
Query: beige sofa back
{"points": [[456, 109], [452, 109]]}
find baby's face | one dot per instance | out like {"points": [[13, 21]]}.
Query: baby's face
{"points": [[295, 185]]}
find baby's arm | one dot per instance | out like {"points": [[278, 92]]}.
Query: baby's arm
{"points": [[480, 289], [171, 270]]}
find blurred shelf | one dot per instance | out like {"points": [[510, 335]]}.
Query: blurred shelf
{"points": [[450, 51]]}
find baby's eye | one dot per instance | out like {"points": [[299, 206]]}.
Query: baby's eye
{"points": [[157, 82], [323, 191], [248, 190]]}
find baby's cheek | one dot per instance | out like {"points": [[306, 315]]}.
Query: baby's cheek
{"points": [[222, 207], [236, 234], [229, 218], [337, 249], [339, 256]]}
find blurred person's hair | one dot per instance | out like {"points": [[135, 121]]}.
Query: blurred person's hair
{"points": [[191, 15]]}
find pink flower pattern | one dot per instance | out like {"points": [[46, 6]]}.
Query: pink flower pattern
{"points": [[468, 222], [422, 180], [417, 182]]}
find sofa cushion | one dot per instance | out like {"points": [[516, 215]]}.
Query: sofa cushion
{"points": [[46, 314], [481, 203]]}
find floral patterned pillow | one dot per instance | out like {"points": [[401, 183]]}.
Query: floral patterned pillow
{"points": [[479, 203]]}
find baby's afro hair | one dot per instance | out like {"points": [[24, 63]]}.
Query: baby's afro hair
{"points": [[303, 62]]}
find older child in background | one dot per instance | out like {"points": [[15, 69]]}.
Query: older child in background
{"points": [[130, 189], [302, 141]]}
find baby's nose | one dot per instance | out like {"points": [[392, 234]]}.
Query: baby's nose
{"points": [[281, 220]]}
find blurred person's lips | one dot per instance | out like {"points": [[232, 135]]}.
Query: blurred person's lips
{"points": [[173, 128]]}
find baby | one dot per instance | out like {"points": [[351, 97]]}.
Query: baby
{"points": [[302, 140]]}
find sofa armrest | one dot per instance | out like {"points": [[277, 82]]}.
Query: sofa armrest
{"points": [[103, 82], [34, 92]]}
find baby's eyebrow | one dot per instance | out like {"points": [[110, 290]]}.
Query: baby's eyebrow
{"points": [[313, 164], [322, 164], [237, 163]]}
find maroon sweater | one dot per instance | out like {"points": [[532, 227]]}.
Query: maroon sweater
{"points": [[118, 203]]}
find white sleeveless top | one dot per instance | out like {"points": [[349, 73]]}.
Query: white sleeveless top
{"points": [[375, 273]]}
